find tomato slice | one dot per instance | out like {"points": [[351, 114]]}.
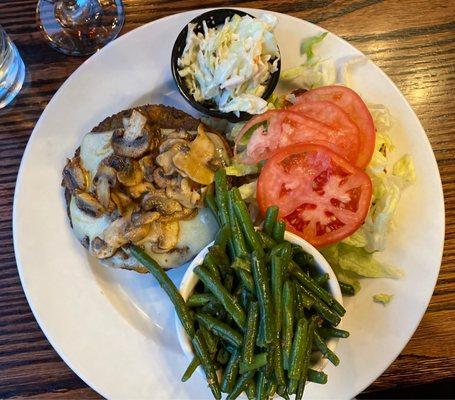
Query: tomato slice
{"points": [[351, 103], [320, 195], [286, 127], [333, 116]]}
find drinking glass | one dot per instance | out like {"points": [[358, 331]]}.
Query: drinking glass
{"points": [[12, 69], [80, 27]]}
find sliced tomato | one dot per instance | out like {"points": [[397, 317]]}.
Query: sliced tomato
{"points": [[321, 196], [334, 117], [286, 127], [351, 103]]}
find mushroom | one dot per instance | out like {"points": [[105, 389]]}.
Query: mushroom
{"points": [[221, 158], [104, 180], [121, 200], [186, 213], [159, 202], [164, 236], [144, 217], [165, 158], [160, 178], [122, 231], [100, 249], [74, 176], [135, 139], [147, 167], [128, 171], [88, 203], [176, 134], [179, 144], [183, 193], [137, 190], [194, 163]]}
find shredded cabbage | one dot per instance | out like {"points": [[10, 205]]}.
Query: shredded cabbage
{"points": [[382, 298], [313, 72], [231, 64]]}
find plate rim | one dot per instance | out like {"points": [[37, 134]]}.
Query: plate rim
{"points": [[74, 75]]}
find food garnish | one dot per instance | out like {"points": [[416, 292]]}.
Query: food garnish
{"points": [[230, 65]]}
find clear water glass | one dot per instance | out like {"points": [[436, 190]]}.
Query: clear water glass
{"points": [[12, 69]]}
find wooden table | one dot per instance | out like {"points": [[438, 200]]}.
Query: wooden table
{"points": [[413, 41]]}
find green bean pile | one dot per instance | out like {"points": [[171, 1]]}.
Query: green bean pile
{"points": [[260, 313]]}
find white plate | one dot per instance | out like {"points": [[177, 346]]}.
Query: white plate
{"points": [[115, 328]]}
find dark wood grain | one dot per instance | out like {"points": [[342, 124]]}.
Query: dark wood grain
{"points": [[413, 41]]}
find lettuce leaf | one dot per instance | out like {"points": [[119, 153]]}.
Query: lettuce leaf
{"points": [[312, 74], [306, 47], [239, 169], [383, 298], [404, 169]]}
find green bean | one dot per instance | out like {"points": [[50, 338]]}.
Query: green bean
{"points": [[247, 280], [210, 203], [307, 301], [278, 365], [246, 223], [223, 296], [270, 367], [270, 219], [210, 340], [278, 231], [300, 307], [210, 264], [220, 257], [322, 308], [296, 361], [264, 297], [222, 356], [260, 339], [266, 241], [215, 309], [303, 259], [221, 190], [249, 337], [276, 272], [322, 279], [251, 390], [347, 289], [320, 344], [200, 348], [228, 282], [271, 387], [223, 236], [333, 332], [314, 288], [167, 285], [241, 264], [293, 384], [259, 360], [220, 328], [230, 372], [282, 391], [245, 297], [284, 250], [261, 393], [191, 368], [199, 299], [317, 376], [240, 249], [240, 385], [306, 359], [288, 321]]}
